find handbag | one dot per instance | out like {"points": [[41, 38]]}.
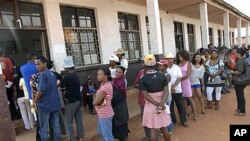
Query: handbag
{"points": [[224, 74], [244, 78]]}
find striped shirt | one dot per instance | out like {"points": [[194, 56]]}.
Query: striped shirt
{"points": [[105, 111]]}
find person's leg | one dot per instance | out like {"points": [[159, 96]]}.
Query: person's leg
{"points": [[12, 107], [30, 115], [173, 117], [166, 135], [91, 107], [197, 91], [62, 125], [78, 119], [218, 97], [69, 116], [38, 138], [21, 104], [210, 97], [240, 98], [153, 134], [181, 109], [193, 107], [106, 130], [43, 123], [146, 129], [54, 121]]}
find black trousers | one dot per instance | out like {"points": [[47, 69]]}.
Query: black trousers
{"points": [[13, 111], [178, 99], [90, 102], [241, 102]]}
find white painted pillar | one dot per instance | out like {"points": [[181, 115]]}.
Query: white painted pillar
{"points": [[239, 32], [186, 42], [215, 36], [226, 29], [55, 33], [247, 34], [154, 26], [204, 24]]}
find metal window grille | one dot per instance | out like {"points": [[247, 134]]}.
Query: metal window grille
{"points": [[130, 36], [179, 38], [191, 39], [210, 32], [83, 45], [6, 14], [148, 35]]}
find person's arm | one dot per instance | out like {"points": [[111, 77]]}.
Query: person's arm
{"points": [[188, 72], [150, 99], [164, 98], [98, 98], [137, 80], [178, 80], [221, 68], [240, 69], [41, 87], [11, 66]]}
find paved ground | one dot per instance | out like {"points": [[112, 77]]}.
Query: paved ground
{"points": [[214, 126]]}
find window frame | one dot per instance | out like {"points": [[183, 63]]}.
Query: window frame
{"points": [[191, 35], [179, 34]]}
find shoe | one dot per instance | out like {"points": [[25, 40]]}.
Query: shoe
{"points": [[223, 92], [185, 124], [240, 114], [195, 118], [228, 91], [237, 110]]}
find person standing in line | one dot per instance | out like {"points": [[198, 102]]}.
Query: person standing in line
{"points": [[113, 63], [141, 100], [72, 96], [89, 89], [18, 92], [119, 104], [163, 65], [214, 67], [186, 69], [102, 103], [47, 100], [176, 90], [197, 79], [154, 87], [120, 53], [27, 71], [239, 88]]}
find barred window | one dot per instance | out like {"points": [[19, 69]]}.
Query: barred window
{"points": [[6, 14], [80, 34], [148, 35], [130, 35], [179, 38], [191, 38], [31, 14], [210, 32]]}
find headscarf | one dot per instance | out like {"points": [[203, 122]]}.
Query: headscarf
{"points": [[120, 84]]}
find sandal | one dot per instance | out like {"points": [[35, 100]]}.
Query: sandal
{"points": [[195, 118], [203, 112], [240, 114], [237, 110]]}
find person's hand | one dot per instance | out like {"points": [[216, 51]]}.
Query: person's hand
{"points": [[231, 72], [203, 89], [173, 89]]}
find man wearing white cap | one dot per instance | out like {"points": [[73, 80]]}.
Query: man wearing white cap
{"points": [[176, 90], [72, 96], [123, 62], [113, 62]]}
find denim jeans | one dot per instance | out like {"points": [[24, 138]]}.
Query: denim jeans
{"points": [[44, 119], [105, 129], [171, 125], [73, 111]]}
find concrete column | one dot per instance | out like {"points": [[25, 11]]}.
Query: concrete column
{"points": [[154, 26], [221, 38], [55, 33], [239, 32], [186, 42], [247, 34], [204, 24], [226, 29]]}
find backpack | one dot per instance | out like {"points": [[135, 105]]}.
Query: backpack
{"points": [[243, 79]]}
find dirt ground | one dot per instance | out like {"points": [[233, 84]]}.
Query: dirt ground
{"points": [[214, 126]]}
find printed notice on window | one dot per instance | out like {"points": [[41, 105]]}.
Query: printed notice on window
{"points": [[239, 132]]}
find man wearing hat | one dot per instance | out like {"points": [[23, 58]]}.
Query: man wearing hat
{"points": [[120, 53], [176, 90], [113, 62], [71, 88]]}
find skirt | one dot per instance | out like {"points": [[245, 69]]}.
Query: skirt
{"points": [[150, 118]]}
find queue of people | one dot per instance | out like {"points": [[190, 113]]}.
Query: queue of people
{"points": [[50, 102]]}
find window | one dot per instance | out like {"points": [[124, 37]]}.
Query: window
{"points": [[148, 35], [130, 35], [210, 33], [179, 39], [191, 38], [31, 14], [80, 34], [233, 43], [219, 37], [6, 14]]}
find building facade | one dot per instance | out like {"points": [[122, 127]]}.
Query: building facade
{"points": [[91, 30]]}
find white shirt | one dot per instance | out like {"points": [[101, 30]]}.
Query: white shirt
{"points": [[112, 72], [175, 73], [197, 74], [25, 91]]}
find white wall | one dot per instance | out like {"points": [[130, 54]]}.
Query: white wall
{"points": [[108, 28]]}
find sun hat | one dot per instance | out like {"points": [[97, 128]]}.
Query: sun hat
{"points": [[120, 51], [163, 62], [149, 60], [68, 62], [114, 58], [169, 56]]}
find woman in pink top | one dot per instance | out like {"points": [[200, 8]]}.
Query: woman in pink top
{"points": [[102, 103], [186, 69]]}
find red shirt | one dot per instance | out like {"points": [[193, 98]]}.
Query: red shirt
{"points": [[106, 111], [7, 68], [141, 100]]}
